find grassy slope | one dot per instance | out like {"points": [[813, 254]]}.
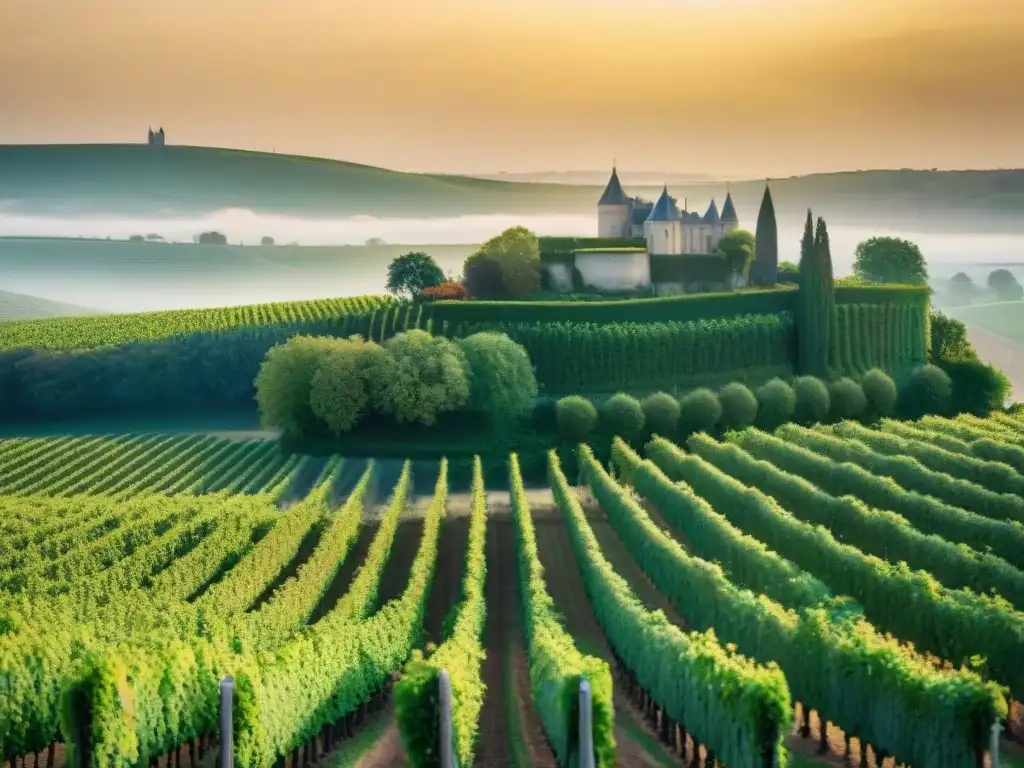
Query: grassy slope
{"points": [[1004, 319], [80, 178], [18, 306]]}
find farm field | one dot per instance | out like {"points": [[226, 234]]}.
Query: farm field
{"points": [[1005, 319], [168, 561], [18, 306]]}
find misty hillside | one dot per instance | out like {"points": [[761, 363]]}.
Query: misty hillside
{"points": [[18, 306], [136, 179]]}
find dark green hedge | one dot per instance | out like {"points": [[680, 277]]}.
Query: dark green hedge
{"points": [[561, 248], [690, 267], [704, 306]]}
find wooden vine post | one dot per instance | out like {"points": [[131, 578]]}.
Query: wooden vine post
{"points": [[227, 751], [445, 684], [586, 725]]}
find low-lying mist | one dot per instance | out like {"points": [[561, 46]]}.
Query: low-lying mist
{"points": [[145, 276]]}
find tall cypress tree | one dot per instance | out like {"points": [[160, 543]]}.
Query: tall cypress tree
{"points": [[765, 269], [828, 320], [807, 323]]}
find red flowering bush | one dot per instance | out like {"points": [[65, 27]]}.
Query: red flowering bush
{"points": [[444, 291]]}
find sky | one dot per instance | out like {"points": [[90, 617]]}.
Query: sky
{"points": [[732, 88]]}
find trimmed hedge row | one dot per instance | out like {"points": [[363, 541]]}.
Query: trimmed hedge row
{"points": [[462, 654], [954, 624], [737, 708], [834, 661], [910, 473], [927, 514], [556, 666], [873, 531], [993, 475], [750, 563]]}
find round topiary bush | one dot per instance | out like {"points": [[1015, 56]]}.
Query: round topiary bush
{"points": [[421, 377], [501, 379], [339, 394], [739, 406], [622, 415], [699, 411], [284, 381], [776, 404], [576, 417], [880, 393], [812, 400], [927, 391], [847, 399], [661, 414]]}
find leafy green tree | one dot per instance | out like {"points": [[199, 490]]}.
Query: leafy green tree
{"points": [[816, 305], [776, 404], [739, 406], [789, 272], [737, 247], [949, 340], [284, 382], [622, 415], [766, 267], [340, 390], [962, 289], [661, 414], [482, 277], [411, 273], [516, 253], [890, 260], [576, 417], [1005, 285], [502, 383], [421, 377]]}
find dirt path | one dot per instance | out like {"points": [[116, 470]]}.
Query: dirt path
{"points": [[387, 751], [510, 731], [565, 584], [446, 590]]}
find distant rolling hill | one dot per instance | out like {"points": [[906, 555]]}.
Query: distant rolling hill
{"points": [[18, 306], [138, 180]]}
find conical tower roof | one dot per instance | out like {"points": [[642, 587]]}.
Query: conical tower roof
{"points": [[613, 194], [664, 209], [729, 211], [712, 217]]}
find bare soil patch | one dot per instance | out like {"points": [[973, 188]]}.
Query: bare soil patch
{"points": [[446, 589], [510, 730]]}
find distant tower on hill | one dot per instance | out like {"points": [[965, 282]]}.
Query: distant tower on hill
{"points": [[614, 210], [157, 138]]}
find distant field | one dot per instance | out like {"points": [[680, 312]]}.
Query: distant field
{"points": [[18, 306], [88, 332], [75, 179], [121, 276], [1004, 319]]}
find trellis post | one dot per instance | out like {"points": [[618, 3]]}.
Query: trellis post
{"points": [[586, 725]]}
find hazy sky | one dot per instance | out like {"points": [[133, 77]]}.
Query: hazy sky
{"points": [[729, 87]]}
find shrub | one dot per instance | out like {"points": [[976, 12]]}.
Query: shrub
{"points": [[340, 390], [661, 414], [501, 379], [421, 377], [699, 411], [284, 381], [776, 404], [576, 418], [450, 291], [949, 339], [977, 388], [880, 394], [812, 400], [739, 406], [927, 391], [847, 399], [623, 415]]}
